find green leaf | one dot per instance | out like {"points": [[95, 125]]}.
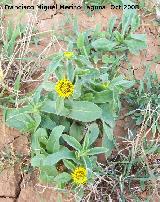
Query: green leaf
{"points": [[9, 31], [118, 36], [17, 83], [84, 111], [87, 162], [108, 139], [70, 72], [103, 96], [88, 74], [88, 97], [77, 89], [85, 142], [53, 141], [50, 107], [97, 150], [47, 122], [50, 170], [59, 105], [53, 66], [37, 94], [93, 132], [140, 37], [72, 142], [62, 178], [75, 26], [64, 153], [135, 46], [36, 124], [108, 114], [37, 160], [65, 122], [48, 86], [40, 136], [48, 173], [69, 164], [121, 82], [85, 61], [76, 131], [111, 25], [103, 44], [80, 41], [20, 119], [79, 193], [135, 23], [126, 20], [60, 73]]}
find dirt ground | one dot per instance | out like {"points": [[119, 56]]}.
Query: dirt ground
{"points": [[18, 186]]}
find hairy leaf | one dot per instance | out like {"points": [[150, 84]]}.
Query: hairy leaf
{"points": [[84, 111], [72, 142], [54, 158]]}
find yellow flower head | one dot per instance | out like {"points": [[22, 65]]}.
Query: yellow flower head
{"points": [[64, 88], [68, 55], [79, 175]]}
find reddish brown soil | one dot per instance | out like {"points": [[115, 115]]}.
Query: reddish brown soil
{"points": [[16, 186]]}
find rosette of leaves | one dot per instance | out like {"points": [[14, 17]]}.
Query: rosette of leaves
{"points": [[117, 39], [96, 98], [123, 38], [48, 149]]}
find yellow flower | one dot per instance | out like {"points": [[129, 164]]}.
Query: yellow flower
{"points": [[64, 88], [79, 175], [68, 55]]}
